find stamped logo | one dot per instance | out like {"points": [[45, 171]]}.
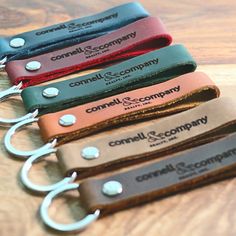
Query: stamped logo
{"points": [[156, 138], [131, 102], [111, 77], [92, 51], [74, 26], [185, 170]]}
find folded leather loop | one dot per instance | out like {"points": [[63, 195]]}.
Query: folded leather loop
{"points": [[176, 95], [68, 33], [205, 123], [151, 68], [202, 165], [132, 40]]}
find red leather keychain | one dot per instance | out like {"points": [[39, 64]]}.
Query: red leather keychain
{"points": [[132, 40]]}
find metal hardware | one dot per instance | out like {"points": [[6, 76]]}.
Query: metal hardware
{"points": [[67, 120], [24, 174], [33, 66], [14, 91], [19, 153], [2, 63], [50, 92], [90, 153], [79, 225], [112, 188], [17, 42]]}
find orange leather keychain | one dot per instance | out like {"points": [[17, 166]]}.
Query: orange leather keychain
{"points": [[173, 96]]}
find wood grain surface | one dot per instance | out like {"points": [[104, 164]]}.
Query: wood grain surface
{"points": [[207, 29]]}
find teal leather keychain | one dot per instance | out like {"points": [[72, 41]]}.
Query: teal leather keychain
{"points": [[68, 33]]}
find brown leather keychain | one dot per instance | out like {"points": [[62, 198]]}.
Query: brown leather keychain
{"points": [[155, 101], [113, 149], [199, 166]]}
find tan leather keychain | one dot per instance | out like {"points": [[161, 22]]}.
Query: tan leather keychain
{"points": [[200, 166], [113, 149], [155, 101]]}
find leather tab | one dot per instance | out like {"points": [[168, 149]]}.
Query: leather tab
{"points": [[144, 141], [151, 68], [71, 32], [163, 99], [132, 40], [202, 165]]}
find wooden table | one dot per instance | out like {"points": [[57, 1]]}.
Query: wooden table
{"points": [[207, 29]]}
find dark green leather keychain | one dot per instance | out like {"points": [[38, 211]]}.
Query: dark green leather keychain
{"points": [[151, 68]]}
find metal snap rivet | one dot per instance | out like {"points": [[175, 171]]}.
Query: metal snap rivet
{"points": [[90, 153], [112, 188], [17, 42], [67, 120], [33, 65], [50, 92]]}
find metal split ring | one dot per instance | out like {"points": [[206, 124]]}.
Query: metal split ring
{"points": [[14, 91], [24, 154], [2, 63], [79, 225], [24, 174]]}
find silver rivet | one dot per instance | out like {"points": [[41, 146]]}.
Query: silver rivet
{"points": [[33, 65], [112, 188], [67, 120], [17, 42], [90, 153], [50, 92]]}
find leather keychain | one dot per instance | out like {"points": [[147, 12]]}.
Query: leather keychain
{"points": [[144, 141], [132, 40], [68, 33], [173, 96], [197, 167], [151, 68]]}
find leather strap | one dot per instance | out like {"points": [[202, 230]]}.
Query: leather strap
{"points": [[200, 166], [173, 96], [151, 68], [135, 39], [71, 32], [205, 123]]}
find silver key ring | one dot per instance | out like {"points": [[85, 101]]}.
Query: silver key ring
{"points": [[2, 67], [24, 154], [14, 91], [24, 174], [2, 63], [79, 225]]}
